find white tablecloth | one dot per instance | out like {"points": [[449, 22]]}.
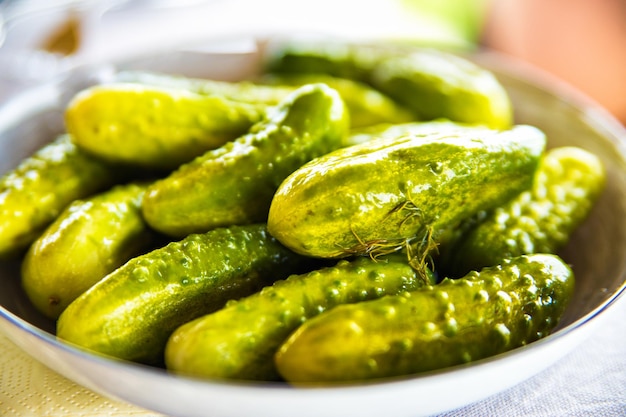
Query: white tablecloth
{"points": [[590, 381]]}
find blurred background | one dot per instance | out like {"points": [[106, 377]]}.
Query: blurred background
{"points": [[583, 42]]}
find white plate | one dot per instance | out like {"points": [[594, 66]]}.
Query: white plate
{"points": [[596, 253]]}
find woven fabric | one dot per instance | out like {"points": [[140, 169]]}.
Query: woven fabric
{"points": [[590, 381], [30, 389]]}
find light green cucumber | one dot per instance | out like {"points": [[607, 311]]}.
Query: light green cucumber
{"points": [[88, 240], [366, 105], [131, 312], [34, 193], [234, 184], [152, 126], [409, 191], [240, 340], [454, 322], [540, 220]]}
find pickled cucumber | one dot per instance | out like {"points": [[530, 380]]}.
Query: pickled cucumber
{"points": [[34, 193], [155, 127], [567, 184], [131, 312], [88, 240], [454, 322], [366, 105], [393, 193], [433, 84], [235, 183], [239, 341]]}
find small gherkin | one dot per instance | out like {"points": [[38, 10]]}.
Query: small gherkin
{"points": [[131, 312], [454, 322], [239, 341], [566, 186]]}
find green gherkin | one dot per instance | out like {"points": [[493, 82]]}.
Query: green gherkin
{"points": [[454, 322], [235, 184], [131, 312], [34, 193], [239, 341], [567, 184], [385, 193], [433, 84], [88, 240], [366, 105], [155, 127]]}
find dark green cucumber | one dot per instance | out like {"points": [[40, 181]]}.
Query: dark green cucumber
{"points": [[382, 194], [239, 341], [235, 183], [568, 182], [131, 312], [34, 193], [455, 322], [152, 126], [433, 84], [88, 240]]}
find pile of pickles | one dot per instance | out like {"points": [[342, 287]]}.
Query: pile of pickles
{"points": [[353, 213]]}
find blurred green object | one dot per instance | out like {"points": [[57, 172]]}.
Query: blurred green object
{"points": [[452, 23]]}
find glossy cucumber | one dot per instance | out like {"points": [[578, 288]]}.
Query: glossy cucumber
{"points": [[433, 84], [88, 240], [152, 126], [388, 193], [569, 180], [437, 84], [131, 312], [366, 105], [235, 183], [239, 341], [34, 193], [454, 322]]}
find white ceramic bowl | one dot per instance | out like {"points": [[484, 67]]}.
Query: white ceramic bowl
{"points": [[597, 253]]}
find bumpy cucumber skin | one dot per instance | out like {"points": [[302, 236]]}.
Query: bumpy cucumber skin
{"points": [[454, 322], [235, 183], [88, 240], [366, 105], [239, 341], [385, 191], [568, 182], [154, 127], [41, 186], [433, 84], [131, 312]]}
